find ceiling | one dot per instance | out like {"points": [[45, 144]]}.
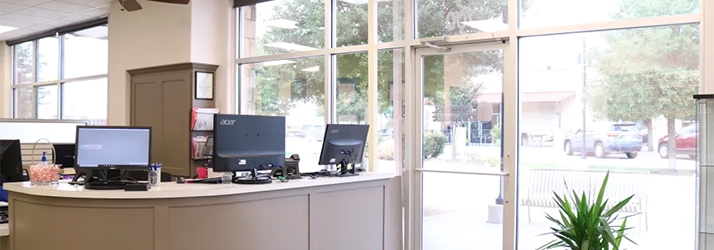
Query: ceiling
{"points": [[34, 16]]}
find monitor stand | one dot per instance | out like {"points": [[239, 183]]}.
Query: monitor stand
{"points": [[254, 178], [105, 180], [345, 170]]}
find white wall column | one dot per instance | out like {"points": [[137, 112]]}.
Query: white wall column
{"points": [[5, 81]]}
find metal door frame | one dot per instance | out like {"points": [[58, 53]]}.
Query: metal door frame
{"points": [[413, 171]]}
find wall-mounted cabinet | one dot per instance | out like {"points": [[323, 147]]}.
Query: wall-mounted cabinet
{"points": [[163, 98]]}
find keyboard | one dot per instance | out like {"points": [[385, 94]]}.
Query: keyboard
{"points": [[105, 185]]}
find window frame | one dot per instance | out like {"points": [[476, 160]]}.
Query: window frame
{"points": [[59, 82]]}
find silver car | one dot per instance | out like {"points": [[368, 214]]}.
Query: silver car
{"points": [[610, 139]]}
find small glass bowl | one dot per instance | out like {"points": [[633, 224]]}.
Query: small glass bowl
{"points": [[44, 174]]}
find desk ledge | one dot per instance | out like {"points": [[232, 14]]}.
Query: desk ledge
{"points": [[170, 190]]}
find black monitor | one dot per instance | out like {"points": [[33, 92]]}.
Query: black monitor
{"points": [[104, 147], [101, 151], [64, 155], [10, 161], [343, 146], [248, 143]]}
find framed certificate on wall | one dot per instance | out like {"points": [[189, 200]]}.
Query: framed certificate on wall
{"points": [[204, 85]]}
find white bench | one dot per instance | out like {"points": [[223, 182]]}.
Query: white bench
{"points": [[543, 182]]}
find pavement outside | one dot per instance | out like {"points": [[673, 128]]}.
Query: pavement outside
{"points": [[456, 206]]}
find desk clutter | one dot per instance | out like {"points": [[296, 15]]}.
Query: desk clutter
{"points": [[119, 157]]}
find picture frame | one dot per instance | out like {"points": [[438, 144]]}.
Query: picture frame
{"points": [[204, 85]]}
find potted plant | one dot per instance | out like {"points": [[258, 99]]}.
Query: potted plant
{"points": [[587, 224]]}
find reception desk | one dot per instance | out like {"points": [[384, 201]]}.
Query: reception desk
{"points": [[328, 213]]}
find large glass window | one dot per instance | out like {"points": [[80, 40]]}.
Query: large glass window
{"points": [[543, 13], [47, 102], [24, 63], [600, 86], [86, 52], [75, 63], [351, 86], [283, 26], [292, 88], [456, 17], [614, 101], [80, 100], [48, 59], [390, 150]]}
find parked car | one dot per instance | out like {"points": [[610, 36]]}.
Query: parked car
{"points": [[685, 142], [602, 141], [313, 132]]}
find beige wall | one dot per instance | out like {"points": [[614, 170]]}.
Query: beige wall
{"points": [[5, 81], [163, 34], [212, 42], [159, 34]]}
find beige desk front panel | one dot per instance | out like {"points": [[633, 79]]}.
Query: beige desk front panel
{"points": [[344, 217]]}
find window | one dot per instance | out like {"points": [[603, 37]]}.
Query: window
{"points": [[456, 17], [86, 52], [66, 79], [351, 86], [390, 150], [637, 88], [24, 62], [292, 88], [283, 26], [48, 59], [544, 13], [80, 101], [47, 102]]}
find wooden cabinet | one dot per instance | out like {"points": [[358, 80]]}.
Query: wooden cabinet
{"points": [[162, 97]]}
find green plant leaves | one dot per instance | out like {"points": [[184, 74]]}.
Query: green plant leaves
{"points": [[585, 223]]}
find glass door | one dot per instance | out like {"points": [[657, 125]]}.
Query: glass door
{"points": [[457, 183]]}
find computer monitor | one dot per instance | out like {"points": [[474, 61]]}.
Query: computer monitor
{"points": [[64, 154], [343, 145], [102, 151], [104, 147], [248, 143], [10, 161]]}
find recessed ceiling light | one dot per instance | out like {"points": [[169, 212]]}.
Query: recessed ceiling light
{"points": [[282, 23], [4, 29], [312, 69]]}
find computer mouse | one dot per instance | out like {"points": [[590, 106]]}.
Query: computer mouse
{"points": [[180, 180]]}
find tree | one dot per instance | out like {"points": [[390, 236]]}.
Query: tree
{"points": [[436, 18], [23, 70], [649, 72]]}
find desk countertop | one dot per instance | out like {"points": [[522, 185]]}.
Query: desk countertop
{"points": [[169, 190]]}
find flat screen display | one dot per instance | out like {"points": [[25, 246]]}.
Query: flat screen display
{"points": [[98, 146]]}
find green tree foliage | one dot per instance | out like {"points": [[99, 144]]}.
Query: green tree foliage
{"points": [[23, 71], [649, 72], [435, 19]]}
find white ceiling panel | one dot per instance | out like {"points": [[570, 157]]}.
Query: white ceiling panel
{"points": [[92, 3], [14, 24], [34, 16], [25, 18], [37, 12], [64, 7], [24, 2], [10, 7]]}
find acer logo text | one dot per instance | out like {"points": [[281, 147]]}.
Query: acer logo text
{"points": [[226, 122]]}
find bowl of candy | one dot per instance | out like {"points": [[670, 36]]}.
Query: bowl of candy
{"points": [[44, 174]]}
